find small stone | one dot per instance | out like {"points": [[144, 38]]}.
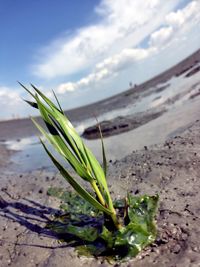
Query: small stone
{"points": [[123, 176], [195, 249], [176, 249], [137, 191], [184, 236], [40, 191]]}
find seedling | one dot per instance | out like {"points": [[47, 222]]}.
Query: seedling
{"points": [[119, 229]]}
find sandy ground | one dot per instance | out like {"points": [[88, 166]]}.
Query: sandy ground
{"points": [[171, 169]]}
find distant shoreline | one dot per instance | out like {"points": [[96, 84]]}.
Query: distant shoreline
{"points": [[24, 127]]}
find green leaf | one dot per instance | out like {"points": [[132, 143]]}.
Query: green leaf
{"points": [[100, 176], [115, 245], [76, 143], [27, 89], [68, 128], [142, 211], [108, 237], [141, 231], [82, 220], [103, 149], [46, 99], [131, 240], [73, 203], [82, 152], [74, 139], [79, 189], [58, 120], [64, 151], [58, 102], [87, 233], [32, 104]]}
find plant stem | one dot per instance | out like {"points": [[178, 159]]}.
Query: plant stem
{"points": [[116, 221], [99, 195], [102, 201]]}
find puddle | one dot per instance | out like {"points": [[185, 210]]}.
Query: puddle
{"points": [[181, 112], [176, 92], [31, 155]]}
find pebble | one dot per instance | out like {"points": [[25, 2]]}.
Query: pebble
{"points": [[137, 191], [40, 191], [176, 249]]}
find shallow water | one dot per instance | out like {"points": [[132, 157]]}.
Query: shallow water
{"points": [[180, 86], [31, 156], [181, 112]]}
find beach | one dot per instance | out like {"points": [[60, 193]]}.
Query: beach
{"points": [[152, 137]]}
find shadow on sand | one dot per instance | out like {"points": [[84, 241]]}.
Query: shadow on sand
{"points": [[34, 217]]}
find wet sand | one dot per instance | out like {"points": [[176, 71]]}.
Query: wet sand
{"points": [[24, 127], [170, 168]]}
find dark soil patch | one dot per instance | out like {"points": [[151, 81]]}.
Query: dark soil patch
{"points": [[120, 124]]}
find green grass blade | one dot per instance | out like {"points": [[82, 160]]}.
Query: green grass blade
{"points": [[58, 118], [27, 89], [83, 154], [67, 127], [99, 176], [62, 149], [77, 145], [103, 151], [60, 146], [32, 104], [46, 99], [58, 102], [79, 189], [70, 134]]}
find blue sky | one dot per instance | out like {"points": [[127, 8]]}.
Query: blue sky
{"points": [[88, 50]]}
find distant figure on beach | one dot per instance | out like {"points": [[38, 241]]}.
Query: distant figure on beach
{"points": [[131, 85]]}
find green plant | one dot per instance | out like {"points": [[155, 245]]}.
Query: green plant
{"points": [[125, 223]]}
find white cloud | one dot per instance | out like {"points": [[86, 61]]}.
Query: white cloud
{"points": [[178, 18], [65, 87], [108, 68], [103, 50], [8, 96], [159, 39], [123, 24], [11, 103], [124, 58], [161, 36], [176, 24]]}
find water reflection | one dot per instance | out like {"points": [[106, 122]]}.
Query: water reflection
{"points": [[32, 156], [170, 94], [175, 95]]}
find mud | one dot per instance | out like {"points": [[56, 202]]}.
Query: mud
{"points": [[121, 124], [171, 170]]}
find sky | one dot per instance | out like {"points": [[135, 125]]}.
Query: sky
{"points": [[87, 50]]}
